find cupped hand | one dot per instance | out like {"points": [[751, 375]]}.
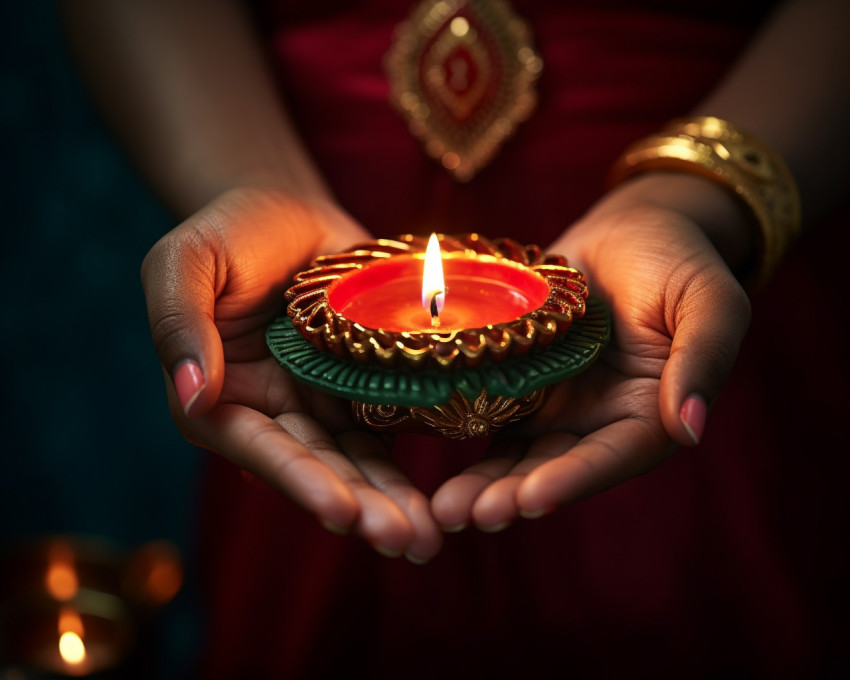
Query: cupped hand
{"points": [[679, 316], [212, 285]]}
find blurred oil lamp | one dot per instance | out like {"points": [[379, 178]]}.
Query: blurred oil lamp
{"points": [[458, 337], [75, 606]]}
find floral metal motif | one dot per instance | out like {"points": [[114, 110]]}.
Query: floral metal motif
{"points": [[462, 73], [458, 419], [327, 329]]}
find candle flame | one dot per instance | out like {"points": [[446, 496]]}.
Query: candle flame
{"points": [[72, 648], [433, 283]]}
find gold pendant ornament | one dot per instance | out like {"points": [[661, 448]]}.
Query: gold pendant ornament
{"points": [[462, 73]]}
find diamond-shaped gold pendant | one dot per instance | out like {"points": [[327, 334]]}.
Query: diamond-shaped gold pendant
{"points": [[462, 73]]}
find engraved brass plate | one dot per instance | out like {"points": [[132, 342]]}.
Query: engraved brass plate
{"points": [[460, 418]]}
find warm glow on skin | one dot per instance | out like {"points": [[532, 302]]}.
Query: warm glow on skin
{"points": [[433, 283], [72, 648]]}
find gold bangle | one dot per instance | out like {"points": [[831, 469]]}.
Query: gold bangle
{"points": [[737, 160]]}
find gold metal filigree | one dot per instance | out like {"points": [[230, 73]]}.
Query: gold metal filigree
{"points": [[462, 73], [737, 160], [329, 330], [458, 419]]}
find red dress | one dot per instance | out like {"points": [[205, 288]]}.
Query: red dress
{"points": [[726, 561]]}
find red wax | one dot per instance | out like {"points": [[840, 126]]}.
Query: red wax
{"points": [[481, 291]]}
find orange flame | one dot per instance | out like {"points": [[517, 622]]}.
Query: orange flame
{"points": [[61, 581], [61, 577], [70, 621], [164, 580], [72, 648]]}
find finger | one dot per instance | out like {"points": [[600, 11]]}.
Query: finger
{"points": [[381, 522], [372, 458], [452, 503], [710, 321], [601, 460], [178, 278], [497, 507], [258, 444]]}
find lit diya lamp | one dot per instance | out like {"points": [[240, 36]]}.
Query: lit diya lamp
{"points": [[76, 606], [459, 338]]}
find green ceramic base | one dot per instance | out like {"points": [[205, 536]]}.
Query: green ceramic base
{"points": [[566, 356]]}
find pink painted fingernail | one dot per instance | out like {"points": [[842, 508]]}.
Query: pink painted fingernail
{"points": [[692, 414], [189, 382]]}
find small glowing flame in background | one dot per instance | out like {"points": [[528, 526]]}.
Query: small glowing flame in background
{"points": [[71, 648], [61, 578], [71, 645], [163, 581]]}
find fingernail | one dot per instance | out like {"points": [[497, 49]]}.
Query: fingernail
{"points": [[189, 382], [534, 514], [455, 528], [692, 415], [493, 528], [415, 560], [387, 552], [334, 528]]}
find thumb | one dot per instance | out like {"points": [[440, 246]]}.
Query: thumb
{"points": [[709, 322], [178, 278]]}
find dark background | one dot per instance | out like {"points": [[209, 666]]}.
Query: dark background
{"points": [[87, 446]]}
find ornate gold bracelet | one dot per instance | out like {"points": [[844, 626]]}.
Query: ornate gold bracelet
{"points": [[722, 152]]}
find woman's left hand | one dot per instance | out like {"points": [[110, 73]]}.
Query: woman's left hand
{"points": [[679, 316]]}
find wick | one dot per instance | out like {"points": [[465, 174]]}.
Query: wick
{"points": [[435, 314]]}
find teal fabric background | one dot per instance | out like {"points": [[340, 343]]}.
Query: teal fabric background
{"points": [[86, 442]]}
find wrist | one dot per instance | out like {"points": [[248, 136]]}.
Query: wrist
{"points": [[717, 150], [718, 213]]}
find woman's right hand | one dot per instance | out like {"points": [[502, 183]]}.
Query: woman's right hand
{"points": [[212, 286]]}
